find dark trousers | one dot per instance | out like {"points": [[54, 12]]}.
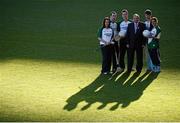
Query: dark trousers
{"points": [[106, 58], [123, 50], [139, 56], [115, 51], [155, 56]]}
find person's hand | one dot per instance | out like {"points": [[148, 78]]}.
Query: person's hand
{"points": [[111, 42], [143, 46], [151, 36], [117, 38], [155, 38], [107, 43], [127, 45]]}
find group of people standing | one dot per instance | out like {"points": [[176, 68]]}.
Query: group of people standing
{"points": [[126, 37]]}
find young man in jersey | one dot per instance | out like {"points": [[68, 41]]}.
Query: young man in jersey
{"points": [[105, 37], [153, 45], [149, 26], [113, 25], [122, 26]]}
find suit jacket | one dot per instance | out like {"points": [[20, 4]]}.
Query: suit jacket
{"points": [[135, 39]]}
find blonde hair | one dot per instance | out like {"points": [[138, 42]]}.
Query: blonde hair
{"points": [[155, 19], [136, 15]]}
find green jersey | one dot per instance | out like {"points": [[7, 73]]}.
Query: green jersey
{"points": [[154, 43]]}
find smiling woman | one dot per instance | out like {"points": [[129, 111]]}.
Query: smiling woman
{"points": [[105, 37]]}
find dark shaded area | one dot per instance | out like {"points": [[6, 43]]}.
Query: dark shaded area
{"points": [[65, 30], [122, 91], [48, 30]]}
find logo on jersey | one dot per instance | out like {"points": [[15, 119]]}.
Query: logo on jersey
{"points": [[108, 34]]}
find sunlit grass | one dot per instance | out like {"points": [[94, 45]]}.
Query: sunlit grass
{"points": [[38, 91]]}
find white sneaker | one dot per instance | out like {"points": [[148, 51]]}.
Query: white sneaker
{"points": [[119, 69], [105, 73], [156, 69]]}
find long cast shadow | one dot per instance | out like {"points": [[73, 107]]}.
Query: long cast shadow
{"points": [[119, 90]]}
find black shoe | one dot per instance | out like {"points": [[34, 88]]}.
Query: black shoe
{"points": [[148, 71], [138, 71], [113, 71], [133, 69], [128, 71]]}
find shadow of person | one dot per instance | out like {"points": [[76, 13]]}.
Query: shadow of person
{"points": [[86, 93], [132, 89], [137, 88], [119, 90]]}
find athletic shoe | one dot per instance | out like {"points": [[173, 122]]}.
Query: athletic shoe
{"points": [[105, 73]]}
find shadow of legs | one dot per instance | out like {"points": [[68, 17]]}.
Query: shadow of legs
{"points": [[104, 91]]}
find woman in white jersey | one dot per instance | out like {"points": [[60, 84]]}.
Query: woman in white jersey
{"points": [[105, 37], [153, 45]]}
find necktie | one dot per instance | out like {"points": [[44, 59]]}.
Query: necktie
{"points": [[136, 27]]}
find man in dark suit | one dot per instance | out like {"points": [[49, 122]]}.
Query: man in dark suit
{"points": [[135, 43]]}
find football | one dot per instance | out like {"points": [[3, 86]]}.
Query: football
{"points": [[146, 33], [122, 33]]}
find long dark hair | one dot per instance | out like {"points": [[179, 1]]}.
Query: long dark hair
{"points": [[104, 20]]}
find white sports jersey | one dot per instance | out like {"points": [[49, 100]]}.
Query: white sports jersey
{"points": [[113, 25], [148, 24], [123, 25], [107, 34], [153, 34]]}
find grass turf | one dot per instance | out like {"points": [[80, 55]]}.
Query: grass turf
{"points": [[49, 64]]}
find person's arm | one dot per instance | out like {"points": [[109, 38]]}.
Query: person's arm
{"points": [[99, 35], [118, 27], [127, 36], [112, 37], [144, 38], [99, 38], [153, 35], [158, 36], [103, 41]]}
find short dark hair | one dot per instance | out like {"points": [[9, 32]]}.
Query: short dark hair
{"points": [[113, 13], [148, 12], [124, 10], [106, 18]]}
